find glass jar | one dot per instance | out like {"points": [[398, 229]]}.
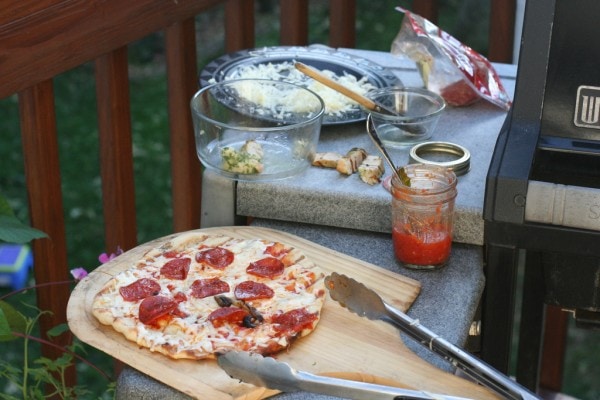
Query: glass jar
{"points": [[422, 216]]}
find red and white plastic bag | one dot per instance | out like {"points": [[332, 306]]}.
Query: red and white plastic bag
{"points": [[448, 67]]}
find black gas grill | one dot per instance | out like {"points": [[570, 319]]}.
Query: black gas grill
{"points": [[542, 202]]}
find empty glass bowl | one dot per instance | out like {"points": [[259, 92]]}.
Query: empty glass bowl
{"points": [[417, 113], [254, 129]]}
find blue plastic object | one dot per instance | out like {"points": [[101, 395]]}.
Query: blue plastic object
{"points": [[15, 262]]}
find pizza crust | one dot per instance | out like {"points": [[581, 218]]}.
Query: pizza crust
{"points": [[187, 332]]}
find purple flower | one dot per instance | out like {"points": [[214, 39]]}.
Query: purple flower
{"points": [[104, 257], [79, 273]]}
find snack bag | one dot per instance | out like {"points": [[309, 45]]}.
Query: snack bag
{"points": [[455, 71]]}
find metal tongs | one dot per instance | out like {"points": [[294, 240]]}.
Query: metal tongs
{"points": [[366, 303], [267, 372]]}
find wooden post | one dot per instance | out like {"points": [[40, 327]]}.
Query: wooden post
{"points": [[185, 165], [42, 173], [342, 23], [293, 22], [116, 157], [239, 25]]}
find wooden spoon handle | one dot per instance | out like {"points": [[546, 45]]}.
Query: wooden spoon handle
{"points": [[319, 77]]}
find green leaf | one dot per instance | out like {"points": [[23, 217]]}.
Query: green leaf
{"points": [[42, 373], [8, 369], [5, 327], [10, 321], [14, 231], [5, 208], [404, 178], [58, 330]]}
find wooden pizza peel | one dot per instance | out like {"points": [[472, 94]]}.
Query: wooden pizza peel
{"points": [[343, 345]]}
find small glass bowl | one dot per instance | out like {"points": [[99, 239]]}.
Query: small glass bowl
{"points": [[256, 129], [418, 110]]}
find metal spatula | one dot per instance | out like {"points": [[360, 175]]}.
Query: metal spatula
{"points": [[365, 302], [267, 372]]}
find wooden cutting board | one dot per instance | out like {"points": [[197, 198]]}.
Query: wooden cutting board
{"points": [[343, 345]]}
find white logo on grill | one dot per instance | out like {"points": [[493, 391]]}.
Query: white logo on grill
{"points": [[587, 107]]}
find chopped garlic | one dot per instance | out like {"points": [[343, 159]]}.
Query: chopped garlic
{"points": [[248, 160], [371, 170]]}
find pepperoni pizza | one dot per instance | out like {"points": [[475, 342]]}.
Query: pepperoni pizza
{"points": [[199, 295]]}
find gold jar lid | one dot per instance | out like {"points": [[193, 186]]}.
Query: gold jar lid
{"points": [[444, 154]]}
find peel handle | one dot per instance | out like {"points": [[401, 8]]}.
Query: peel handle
{"points": [[470, 365]]}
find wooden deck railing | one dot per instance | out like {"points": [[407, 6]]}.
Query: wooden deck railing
{"points": [[42, 39], [501, 27]]}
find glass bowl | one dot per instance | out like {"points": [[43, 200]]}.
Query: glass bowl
{"points": [[254, 129], [418, 111]]}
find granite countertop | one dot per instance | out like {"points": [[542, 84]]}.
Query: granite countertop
{"points": [[326, 197]]}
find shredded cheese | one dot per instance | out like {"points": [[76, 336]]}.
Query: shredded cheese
{"points": [[336, 104]]}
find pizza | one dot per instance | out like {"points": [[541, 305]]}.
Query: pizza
{"points": [[198, 295]]}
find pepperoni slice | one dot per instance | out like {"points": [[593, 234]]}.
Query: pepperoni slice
{"points": [[294, 321], [231, 315], [171, 254], [180, 297], [250, 290], [216, 257], [267, 267], [155, 307], [276, 249], [177, 268], [202, 288], [140, 289]]}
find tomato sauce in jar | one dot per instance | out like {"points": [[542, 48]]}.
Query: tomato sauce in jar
{"points": [[430, 249], [422, 216]]}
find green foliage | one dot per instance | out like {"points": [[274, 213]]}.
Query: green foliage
{"points": [[58, 330], [11, 229], [11, 321], [37, 375], [5, 208], [32, 381], [14, 231]]}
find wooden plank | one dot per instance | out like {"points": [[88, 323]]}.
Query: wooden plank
{"points": [[293, 22], [21, 9], [43, 42], [502, 30], [427, 9], [239, 25], [186, 174], [342, 23], [553, 348], [42, 173], [116, 157], [343, 344]]}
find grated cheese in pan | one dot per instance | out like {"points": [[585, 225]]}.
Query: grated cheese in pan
{"points": [[336, 104]]}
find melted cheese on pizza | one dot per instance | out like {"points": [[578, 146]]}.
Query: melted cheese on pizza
{"points": [[187, 330]]}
